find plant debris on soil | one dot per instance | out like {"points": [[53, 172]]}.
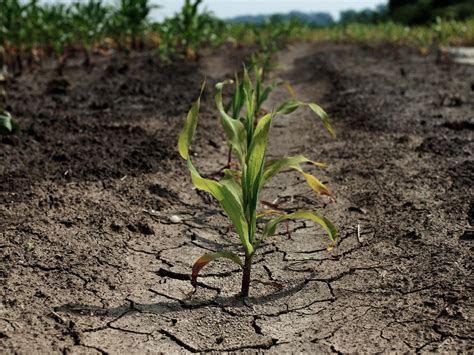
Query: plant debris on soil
{"points": [[99, 228]]}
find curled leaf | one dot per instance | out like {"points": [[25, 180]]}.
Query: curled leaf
{"points": [[291, 106], [315, 184], [207, 258], [324, 117], [273, 167]]}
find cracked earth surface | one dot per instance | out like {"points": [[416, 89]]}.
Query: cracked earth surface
{"points": [[91, 263]]}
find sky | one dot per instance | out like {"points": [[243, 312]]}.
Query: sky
{"points": [[231, 8]]}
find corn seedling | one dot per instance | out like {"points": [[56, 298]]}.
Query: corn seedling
{"points": [[8, 124], [238, 192]]}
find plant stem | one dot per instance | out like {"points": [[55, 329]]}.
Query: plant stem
{"points": [[246, 276]]}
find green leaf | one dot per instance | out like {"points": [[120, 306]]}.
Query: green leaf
{"points": [[253, 171], [187, 133], [229, 201], [256, 156], [234, 129], [7, 123], [324, 117], [207, 258], [288, 107], [291, 106], [325, 223], [233, 186], [263, 96], [273, 167], [237, 99]]}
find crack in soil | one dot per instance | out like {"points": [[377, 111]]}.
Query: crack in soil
{"points": [[379, 292]]}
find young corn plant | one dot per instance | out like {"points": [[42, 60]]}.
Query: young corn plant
{"points": [[238, 192], [8, 124]]}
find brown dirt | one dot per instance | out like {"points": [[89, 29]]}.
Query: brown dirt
{"points": [[90, 262]]}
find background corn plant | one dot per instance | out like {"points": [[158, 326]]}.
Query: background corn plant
{"points": [[131, 19], [7, 123], [190, 30], [90, 19], [238, 192]]}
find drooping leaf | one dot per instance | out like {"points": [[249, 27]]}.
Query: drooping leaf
{"points": [[273, 167], [314, 182], [325, 223], [288, 107], [291, 106], [207, 258], [229, 202], [226, 193], [324, 117]]}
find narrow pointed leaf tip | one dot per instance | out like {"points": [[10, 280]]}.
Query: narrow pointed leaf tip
{"points": [[187, 133], [207, 258], [291, 106], [324, 118]]}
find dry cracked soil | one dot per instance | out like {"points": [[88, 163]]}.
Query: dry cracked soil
{"points": [[91, 263]]}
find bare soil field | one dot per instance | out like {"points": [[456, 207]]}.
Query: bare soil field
{"points": [[91, 263]]}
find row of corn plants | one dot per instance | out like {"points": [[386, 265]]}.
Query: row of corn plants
{"points": [[238, 191], [443, 32], [30, 30]]}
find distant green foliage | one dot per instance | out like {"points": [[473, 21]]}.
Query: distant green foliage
{"points": [[90, 20], [448, 32], [32, 29]]}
